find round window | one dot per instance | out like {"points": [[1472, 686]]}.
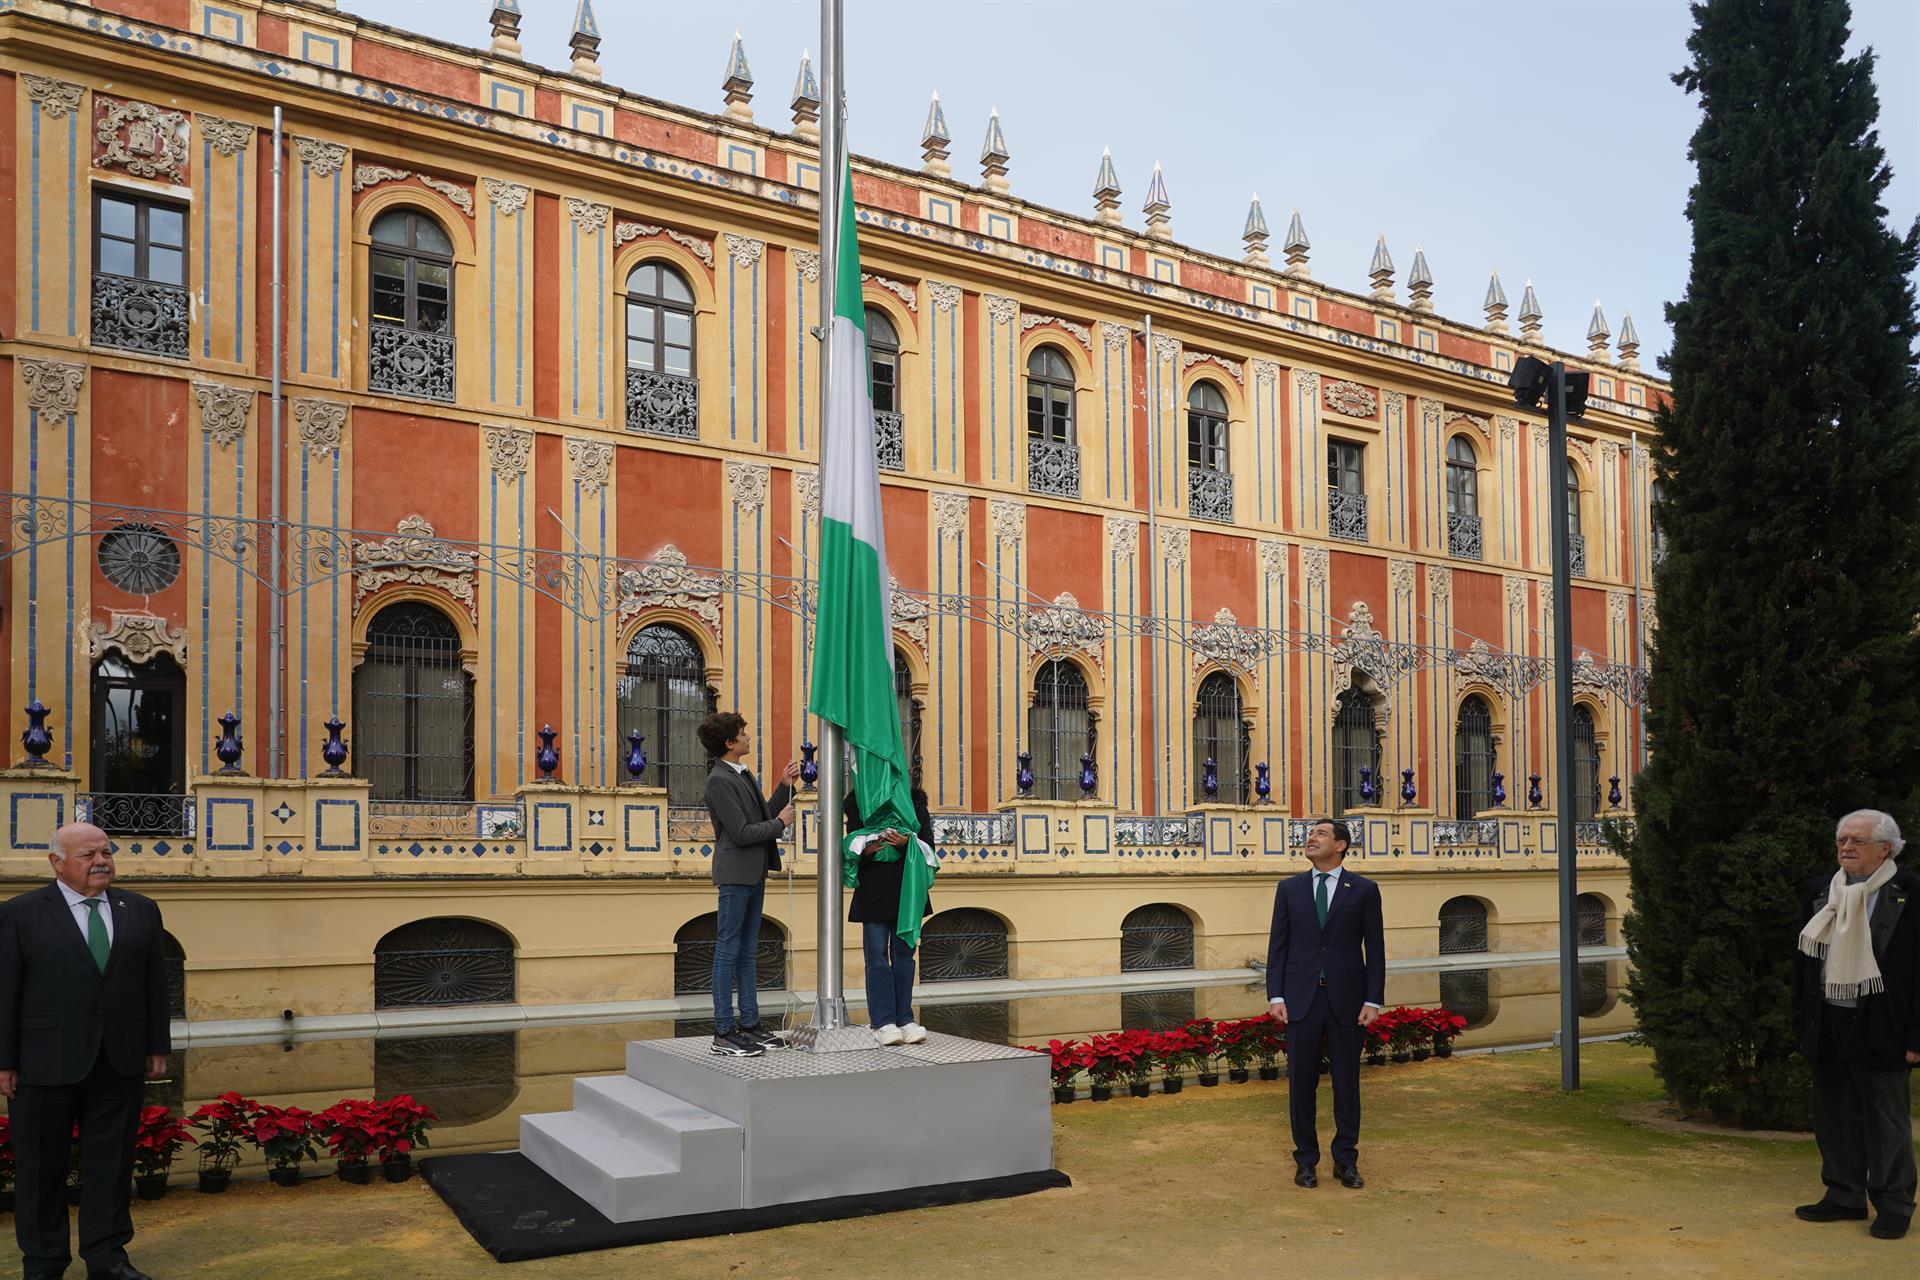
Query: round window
{"points": [[139, 559]]}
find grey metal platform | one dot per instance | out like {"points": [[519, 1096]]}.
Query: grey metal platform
{"points": [[688, 1131]]}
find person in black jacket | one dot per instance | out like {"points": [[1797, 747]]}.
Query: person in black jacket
{"points": [[876, 909], [1856, 1008], [83, 1021]]}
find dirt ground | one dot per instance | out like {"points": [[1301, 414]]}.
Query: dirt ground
{"points": [[1475, 1167]]}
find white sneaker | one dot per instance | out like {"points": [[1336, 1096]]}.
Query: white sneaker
{"points": [[889, 1035], [913, 1033]]}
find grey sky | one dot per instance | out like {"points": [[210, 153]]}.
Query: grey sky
{"points": [[1397, 116]]}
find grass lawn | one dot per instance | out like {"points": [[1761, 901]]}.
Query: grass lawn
{"points": [[1476, 1167]]}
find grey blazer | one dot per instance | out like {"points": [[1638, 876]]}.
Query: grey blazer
{"points": [[745, 829]]}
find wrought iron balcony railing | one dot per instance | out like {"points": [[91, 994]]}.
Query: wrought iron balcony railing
{"points": [[1346, 515], [1210, 494], [1577, 554], [1463, 535], [126, 814], [140, 315], [890, 441], [1187, 831], [408, 362], [1469, 831], [1053, 467], [972, 829], [663, 404], [447, 820]]}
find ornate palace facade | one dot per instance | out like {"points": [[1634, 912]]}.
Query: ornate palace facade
{"points": [[1187, 548]]}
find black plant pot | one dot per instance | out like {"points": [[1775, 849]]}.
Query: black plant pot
{"points": [[1422, 1053], [1063, 1093], [1172, 1084], [1239, 1075], [398, 1169], [285, 1177], [1100, 1092], [1208, 1079], [6, 1200], [1443, 1048], [1402, 1055], [214, 1181], [150, 1186], [1140, 1088], [358, 1174], [1270, 1073]]}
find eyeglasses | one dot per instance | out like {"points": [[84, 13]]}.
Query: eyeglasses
{"points": [[1855, 842]]}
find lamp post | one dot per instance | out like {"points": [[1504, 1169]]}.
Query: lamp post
{"points": [[1566, 396]]}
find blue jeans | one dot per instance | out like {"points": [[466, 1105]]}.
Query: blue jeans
{"points": [[889, 975], [734, 956]]}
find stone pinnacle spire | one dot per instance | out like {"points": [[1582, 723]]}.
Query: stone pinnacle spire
{"points": [[1629, 342], [934, 141], [1254, 235], [1496, 305], [1381, 270], [585, 42], [506, 28], [1420, 282], [1530, 314], [1106, 192], [738, 85], [1296, 246], [1597, 333], [994, 156], [806, 101], [1159, 207]]}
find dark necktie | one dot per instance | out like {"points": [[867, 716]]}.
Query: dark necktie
{"points": [[97, 933], [1320, 895]]}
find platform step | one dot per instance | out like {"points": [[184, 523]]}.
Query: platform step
{"points": [[625, 1179], [656, 1120]]}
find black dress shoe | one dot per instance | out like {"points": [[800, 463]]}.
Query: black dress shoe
{"points": [[1828, 1211], [1304, 1176], [1889, 1226], [119, 1271], [1349, 1176]]}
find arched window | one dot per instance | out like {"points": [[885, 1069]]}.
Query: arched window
{"points": [[664, 695], [410, 334], [1576, 540], [1463, 500], [1590, 911], [1347, 490], [139, 748], [1463, 926], [1156, 1010], [1472, 758], [908, 707], [1355, 746], [1221, 734], [175, 959], [465, 1079], [1156, 936], [1658, 535], [1595, 992], [883, 378], [1586, 766], [663, 396], [1059, 729], [988, 1021], [1053, 459], [693, 948], [1468, 993], [1209, 484], [413, 708], [446, 960], [961, 945]]}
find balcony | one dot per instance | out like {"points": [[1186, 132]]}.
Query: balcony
{"points": [[1463, 536], [1053, 468], [1577, 555], [889, 441], [1346, 515], [140, 315], [1210, 494], [408, 362], [663, 404]]}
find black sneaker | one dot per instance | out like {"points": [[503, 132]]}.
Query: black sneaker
{"points": [[732, 1044], [760, 1035]]}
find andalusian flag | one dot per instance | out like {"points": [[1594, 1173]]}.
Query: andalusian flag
{"points": [[853, 649]]}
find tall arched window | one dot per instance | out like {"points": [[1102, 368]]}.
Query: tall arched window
{"points": [[1463, 926], [663, 396], [1156, 936], [1059, 729], [139, 761], [446, 960], [1472, 757], [1347, 490], [963, 944], [1221, 734], [1209, 483], [664, 695], [909, 710], [1576, 539], [1053, 457], [1658, 536], [883, 377], [175, 959], [1463, 500], [413, 708], [1590, 911], [410, 331], [1355, 746], [1586, 765]]}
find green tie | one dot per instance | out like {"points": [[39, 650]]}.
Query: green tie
{"points": [[97, 931], [1320, 895]]}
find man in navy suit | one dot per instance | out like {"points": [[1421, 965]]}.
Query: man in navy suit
{"points": [[1326, 979]]}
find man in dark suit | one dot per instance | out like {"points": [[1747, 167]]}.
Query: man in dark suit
{"points": [[747, 828], [83, 1021], [1856, 1008], [1326, 979]]}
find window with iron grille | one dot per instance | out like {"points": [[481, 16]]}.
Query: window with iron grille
{"points": [[1595, 995], [140, 297], [1346, 490], [908, 707], [1209, 482], [1059, 729], [410, 330], [175, 958], [1658, 546], [1156, 1010], [663, 693], [1590, 910], [139, 761], [1576, 539], [697, 940], [962, 945], [1355, 746], [1472, 757], [1463, 926], [413, 708], [1467, 992], [466, 1079], [883, 379], [1156, 936], [443, 961], [663, 394], [1221, 734], [1586, 766], [1463, 499], [988, 1021]]}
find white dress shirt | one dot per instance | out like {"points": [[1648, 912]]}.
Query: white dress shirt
{"points": [[76, 903]]}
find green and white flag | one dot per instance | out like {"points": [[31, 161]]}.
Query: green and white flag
{"points": [[853, 648]]}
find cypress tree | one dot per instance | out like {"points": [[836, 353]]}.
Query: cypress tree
{"points": [[1783, 689]]}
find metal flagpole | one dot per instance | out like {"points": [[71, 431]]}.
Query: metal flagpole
{"points": [[1563, 726], [829, 1004]]}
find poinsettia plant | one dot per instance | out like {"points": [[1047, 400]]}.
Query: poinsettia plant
{"points": [[1067, 1059], [1179, 1050], [157, 1142], [407, 1122], [1237, 1041], [1446, 1025], [354, 1128], [6, 1153], [1205, 1040], [224, 1124], [285, 1135]]}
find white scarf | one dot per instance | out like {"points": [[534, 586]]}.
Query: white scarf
{"points": [[1841, 933]]}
